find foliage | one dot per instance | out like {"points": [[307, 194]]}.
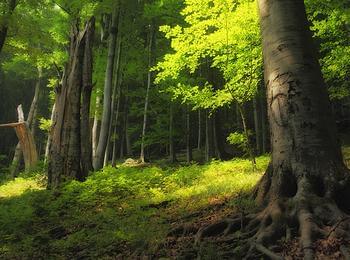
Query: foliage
{"points": [[114, 210]]}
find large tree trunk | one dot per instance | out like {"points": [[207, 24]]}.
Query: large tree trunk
{"points": [[107, 93], [149, 82], [306, 184], [306, 189], [4, 25], [65, 154]]}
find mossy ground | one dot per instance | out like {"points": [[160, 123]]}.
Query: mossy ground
{"points": [[120, 212]]}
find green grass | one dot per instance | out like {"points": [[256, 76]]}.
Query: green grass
{"points": [[114, 211]]}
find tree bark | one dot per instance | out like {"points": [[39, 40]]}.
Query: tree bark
{"points": [[96, 128], [107, 93], [149, 81], [85, 130], [257, 127], [188, 135], [49, 136], [31, 120], [65, 162], [115, 97], [307, 184], [5, 23], [264, 126]]}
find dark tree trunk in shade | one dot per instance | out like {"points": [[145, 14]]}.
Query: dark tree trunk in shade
{"points": [[220, 137], [85, 130], [65, 160], [188, 135], [199, 142], [4, 26], [172, 153], [209, 137]]}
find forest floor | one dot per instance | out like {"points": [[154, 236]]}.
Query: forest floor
{"points": [[129, 212]]}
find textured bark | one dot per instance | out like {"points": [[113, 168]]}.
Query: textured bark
{"points": [[257, 128], [115, 99], [31, 120], [107, 93], [264, 126], [304, 192], [306, 185], [85, 130], [65, 160], [5, 23], [149, 82], [25, 138]]}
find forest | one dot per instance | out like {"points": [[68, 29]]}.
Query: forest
{"points": [[175, 129]]}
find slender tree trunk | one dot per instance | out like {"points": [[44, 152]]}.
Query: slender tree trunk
{"points": [[95, 127], [149, 79], [209, 146], [117, 116], [115, 97], [246, 133], [127, 135], [199, 142], [85, 130], [49, 136], [188, 135], [4, 24], [257, 125], [31, 119], [172, 154], [107, 93]]}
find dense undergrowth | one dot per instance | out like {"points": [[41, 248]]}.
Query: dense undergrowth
{"points": [[121, 211]]}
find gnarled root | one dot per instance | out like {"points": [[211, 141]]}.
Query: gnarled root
{"points": [[306, 215]]}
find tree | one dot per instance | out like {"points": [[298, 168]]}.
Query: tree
{"points": [[67, 149], [107, 94], [10, 6], [306, 185]]}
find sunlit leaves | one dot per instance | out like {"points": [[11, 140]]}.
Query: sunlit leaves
{"points": [[223, 35]]}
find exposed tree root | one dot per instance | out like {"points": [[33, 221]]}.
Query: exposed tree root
{"points": [[306, 216]]}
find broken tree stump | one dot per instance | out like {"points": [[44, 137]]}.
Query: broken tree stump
{"points": [[25, 138]]}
